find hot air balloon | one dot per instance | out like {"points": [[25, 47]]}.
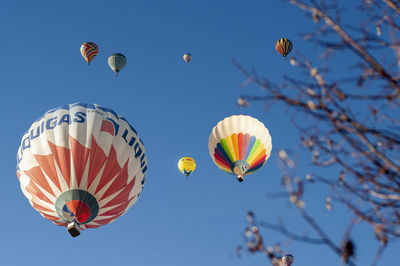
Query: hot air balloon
{"points": [[81, 166], [288, 259], [89, 50], [284, 46], [187, 57], [240, 145], [117, 62], [186, 165]]}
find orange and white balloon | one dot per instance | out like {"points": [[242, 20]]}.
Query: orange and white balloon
{"points": [[81, 163]]}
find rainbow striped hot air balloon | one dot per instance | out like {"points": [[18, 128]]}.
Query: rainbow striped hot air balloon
{"points": [[89, 50], [240, 145]]}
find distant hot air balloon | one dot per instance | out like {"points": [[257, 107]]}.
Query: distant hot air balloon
{"points": [[89, 50], [284, 46], [117, 62], [81, 166], [288, 259], [187, 57], [240, 145], [186, 165]]}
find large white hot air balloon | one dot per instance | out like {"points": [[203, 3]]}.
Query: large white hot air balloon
{"points": [[81, 166], [240, 145], [117, 62]]}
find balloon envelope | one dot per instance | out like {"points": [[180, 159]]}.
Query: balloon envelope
{"points": [[186, 165], [83, 163], [187, 57], [240, 145], [89, 50], [117, 62], [288, 259], [284, 46]]}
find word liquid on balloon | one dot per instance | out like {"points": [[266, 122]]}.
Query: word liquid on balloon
{"points": [[89, 50], [284, 46], [186, 165], [240, 145], [82, 164], [117, 62]]}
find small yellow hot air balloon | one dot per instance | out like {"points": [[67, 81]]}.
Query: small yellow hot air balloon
{"points": [[186, 165]]}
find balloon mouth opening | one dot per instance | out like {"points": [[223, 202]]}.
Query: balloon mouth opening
{"points": [[77, 205], [240, 168], [77, 209]]}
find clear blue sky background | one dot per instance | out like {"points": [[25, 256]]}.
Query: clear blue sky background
{"points": [[174, 106]]}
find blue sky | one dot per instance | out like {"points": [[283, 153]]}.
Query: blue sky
{"points": [[173, 106]]}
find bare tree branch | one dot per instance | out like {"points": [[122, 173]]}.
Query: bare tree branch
{"points": [[349, 125]]}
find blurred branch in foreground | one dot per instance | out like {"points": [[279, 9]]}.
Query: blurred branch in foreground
{"points": [[350, 126]]}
